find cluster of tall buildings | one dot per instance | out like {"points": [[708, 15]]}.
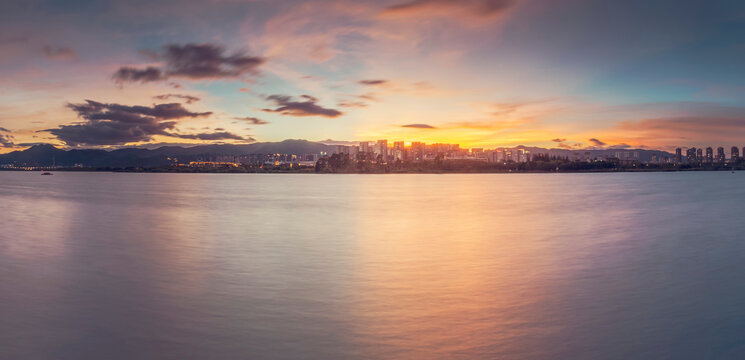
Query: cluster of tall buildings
{"points": [[381, 150], [706, 156]]}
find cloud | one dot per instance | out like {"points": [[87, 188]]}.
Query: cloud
{"points": [[374, 82], [115, 124], [130, 74], [620, 146], [352, 104], [59, 53], [368, 96], [419, 126], [93, 110], [596, 142], [187, 98], [252, 120], [4, 129], [191, 61], [558, 140], [429, 8], [6, 141], [287, 106], [218, 135], [565, 146]]}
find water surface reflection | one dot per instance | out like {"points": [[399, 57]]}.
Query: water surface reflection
{"points": [[174, 266]]}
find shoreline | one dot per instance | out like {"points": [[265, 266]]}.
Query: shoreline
{"points": [[217, 171]]}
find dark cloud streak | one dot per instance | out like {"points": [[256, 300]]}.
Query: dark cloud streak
{"points": [[191, 61], [130, 74], [287, 106], [373, 82], [419, 126], [218, 135], [187, 98], [252, 120]]}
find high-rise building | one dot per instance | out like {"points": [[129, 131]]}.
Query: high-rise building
{"points": [[341, 149], [700, 154], [364, 147], [417, 151], [720, 155], [507, 155], [734, 154], [691, 155], [678, 155], [399, 152], [709, 155], [381, 148], [521, 155]]}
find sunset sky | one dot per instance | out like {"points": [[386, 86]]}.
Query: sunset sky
{"points": [[487, 73]]}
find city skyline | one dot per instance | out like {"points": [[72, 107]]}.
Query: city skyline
{"points": [[306, 153], [505, 73]]}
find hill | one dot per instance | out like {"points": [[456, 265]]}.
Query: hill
{"points": [[46, 155]]}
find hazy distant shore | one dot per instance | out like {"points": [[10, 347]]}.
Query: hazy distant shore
{"points": [[312, 171]]}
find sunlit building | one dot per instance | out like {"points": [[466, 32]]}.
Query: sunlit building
{"points": [[381, 148], [417, 151], [399, 150]]}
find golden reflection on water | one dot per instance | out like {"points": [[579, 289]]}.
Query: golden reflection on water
{"points": [[444, 275]]}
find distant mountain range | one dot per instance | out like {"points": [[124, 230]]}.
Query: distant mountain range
{"points": [[46, 155]]}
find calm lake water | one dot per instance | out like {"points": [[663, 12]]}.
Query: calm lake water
{"points": [[213, 266]]}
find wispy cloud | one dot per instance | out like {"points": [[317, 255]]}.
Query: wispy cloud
{"points": [[472, 9], [59, 53], [352, 104], [252, 120]]}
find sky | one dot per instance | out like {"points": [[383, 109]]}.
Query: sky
{"points": [[482, 73]]}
